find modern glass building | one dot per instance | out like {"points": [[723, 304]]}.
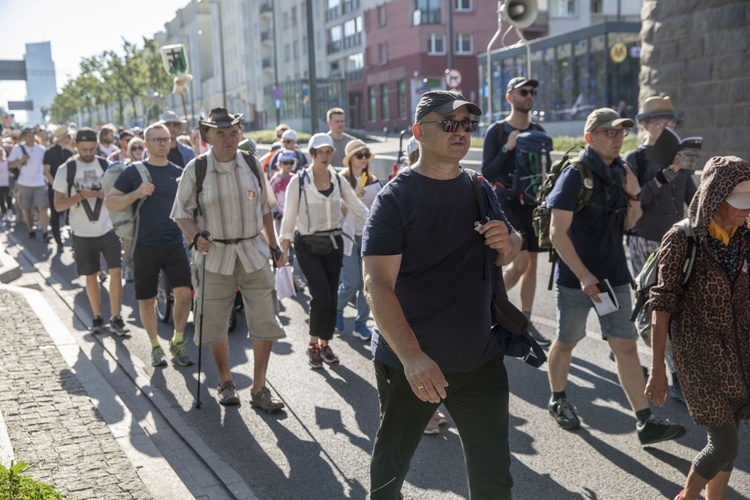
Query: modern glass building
{"points": [[578, 71]]}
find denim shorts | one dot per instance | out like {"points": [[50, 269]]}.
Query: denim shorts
{"points": [[573, 308]]}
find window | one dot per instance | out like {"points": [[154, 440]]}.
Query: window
{"points": [[462, 5], [464, 43], [383, 51], [385, 113], [285, 20], [563, 8], [402, 99], [287, 53], [373, 111], [426, 12], [381, 15], [436, 44], [295, 50], [294, 16]]}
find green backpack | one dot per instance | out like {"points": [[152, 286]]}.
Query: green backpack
{"points": [[542, 214]]}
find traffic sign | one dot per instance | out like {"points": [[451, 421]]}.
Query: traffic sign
{"points": [[618, 52], [452, 78]]}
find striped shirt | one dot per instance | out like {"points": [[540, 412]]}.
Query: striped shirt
{"points": [[312, 211], [233, 204]]}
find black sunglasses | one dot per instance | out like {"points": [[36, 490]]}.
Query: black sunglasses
{"points": [[287, 162], [452, 125], [525, 92], [137, 148], [359, 155]]}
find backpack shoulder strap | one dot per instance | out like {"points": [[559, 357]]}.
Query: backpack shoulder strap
{"points": [[500, 131], [584, 193], [691, 250], [103, 163], [145, 175], [201, 165], [71, 174], [251, 162]]}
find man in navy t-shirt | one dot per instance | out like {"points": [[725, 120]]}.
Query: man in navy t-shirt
{"points": [[158, 244], [590, 245], [427, 278]]}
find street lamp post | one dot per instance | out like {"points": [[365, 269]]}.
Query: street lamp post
{"points": [[275, 63], [221, 59], [311, 72]]}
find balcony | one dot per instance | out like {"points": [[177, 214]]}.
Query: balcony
{"points": [[333, 13], [266, 36], [333, 47], [420, 17], [266, 7], [267, 62], [352, 41], [354, 75], [350, 6]]}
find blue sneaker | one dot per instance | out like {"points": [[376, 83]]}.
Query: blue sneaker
{"points": [[340, 321], [362, 332]]}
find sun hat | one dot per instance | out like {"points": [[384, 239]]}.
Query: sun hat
{"points": [[218, 118], [352, 147], [656, 107]]}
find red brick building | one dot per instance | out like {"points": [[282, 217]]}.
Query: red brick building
{"points": [[407, 53]]}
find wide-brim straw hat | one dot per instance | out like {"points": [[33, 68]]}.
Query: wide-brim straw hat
{"points": [[352, 147], [656, 107]]}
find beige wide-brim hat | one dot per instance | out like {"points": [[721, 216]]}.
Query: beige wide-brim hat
{"points": [[352, 147], [61, 133], [656, 107]]}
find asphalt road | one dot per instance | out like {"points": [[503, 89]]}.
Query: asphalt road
{"points": [[319, 446]]}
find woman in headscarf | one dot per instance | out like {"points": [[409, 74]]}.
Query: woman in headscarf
{"points": [[708, 320]]}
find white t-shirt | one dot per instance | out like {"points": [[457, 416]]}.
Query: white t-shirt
{"points": [[93, 219], [108, 150], [31, 174]]}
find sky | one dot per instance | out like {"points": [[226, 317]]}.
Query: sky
{"points": [[75, 29]]}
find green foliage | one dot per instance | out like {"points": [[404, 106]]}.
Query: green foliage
{"points": [[17, 486], [564, 143]]}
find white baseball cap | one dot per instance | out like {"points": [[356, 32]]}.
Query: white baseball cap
{"points": [[739, 198], [320, 140]]}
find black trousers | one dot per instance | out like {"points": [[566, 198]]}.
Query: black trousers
{"points": [[477, 402], [54, 216], [322, 273]]}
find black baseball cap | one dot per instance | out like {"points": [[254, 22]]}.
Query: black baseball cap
{"points": [[86, 135], [520, 81], [443, 102]]}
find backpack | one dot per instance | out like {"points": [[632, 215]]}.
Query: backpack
{"points": [[511, 328], [125, 222], [201, 166], [648, 277], [71, 172], [532, 162], [542, 215]]}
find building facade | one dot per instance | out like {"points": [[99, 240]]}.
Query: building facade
{"points": [[41, 83]]}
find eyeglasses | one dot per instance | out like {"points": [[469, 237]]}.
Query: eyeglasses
{"points": [[524, 92], [160, 140], [287, 162], [359, 155], [614, 132], [452, 125]]}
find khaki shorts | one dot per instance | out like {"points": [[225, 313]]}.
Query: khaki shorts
{"points": [[31, 197], [258, 296]]}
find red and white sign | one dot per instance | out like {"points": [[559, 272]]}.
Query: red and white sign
{"points": [[452, 78]]}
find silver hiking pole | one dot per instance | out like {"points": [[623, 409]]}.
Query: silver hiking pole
{"points": [[198, 403]]}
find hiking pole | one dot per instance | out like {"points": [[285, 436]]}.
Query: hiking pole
{"points": [[198, 403]]}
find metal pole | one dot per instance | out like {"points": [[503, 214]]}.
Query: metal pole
{"points": [[275, 62], [312, 74], [489, 59], [221, 58], [450, 34]]}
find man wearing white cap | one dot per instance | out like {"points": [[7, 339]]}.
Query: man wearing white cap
{"points": [[179, 154]]}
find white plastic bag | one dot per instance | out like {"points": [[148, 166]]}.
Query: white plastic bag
{"points": [[284, 282]]}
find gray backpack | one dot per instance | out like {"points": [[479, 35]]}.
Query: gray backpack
{"points": [[125, 221]]}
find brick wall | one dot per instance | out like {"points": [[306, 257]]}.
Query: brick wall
{"points": [[696, 52]]}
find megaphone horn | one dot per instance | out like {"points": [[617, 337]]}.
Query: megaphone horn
{"points": [[519, 13]]}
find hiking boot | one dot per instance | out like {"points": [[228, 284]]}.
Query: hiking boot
{"points": [[265, 401], [362, 332], [158, 358], [339, 321], [179, 351], [327, 354], [675, 390], [97, 325], [118, 325], [564, 414], [228, 394], [536, 335], [313, 353], [655, 430]]}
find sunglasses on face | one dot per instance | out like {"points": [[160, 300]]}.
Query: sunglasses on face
{"points": [[452, 125], [137, 148], [524, 92], [287, 162], [359, 155]]}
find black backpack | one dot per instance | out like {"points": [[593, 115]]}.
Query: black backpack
{"points": [[72, 167]]}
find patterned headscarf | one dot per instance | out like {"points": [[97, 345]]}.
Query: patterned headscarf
{"points": [[720, 175]]}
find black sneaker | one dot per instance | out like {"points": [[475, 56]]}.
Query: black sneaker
{"points": [[327, 354], [97, 325], [564, 414], [118, 325], [313, 353], [32, 235], [46, 237], [655, 430], [536, 335]]}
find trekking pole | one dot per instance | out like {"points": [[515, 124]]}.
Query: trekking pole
{"points": [[198, 403]]}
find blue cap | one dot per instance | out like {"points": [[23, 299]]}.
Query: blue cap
{"points": [[288, 155]]}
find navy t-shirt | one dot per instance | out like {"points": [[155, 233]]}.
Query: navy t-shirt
{"points": [[443, 284], [155, 228], [591, 228]]}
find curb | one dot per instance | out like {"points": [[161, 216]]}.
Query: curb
{"points": [[10, 270]]}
